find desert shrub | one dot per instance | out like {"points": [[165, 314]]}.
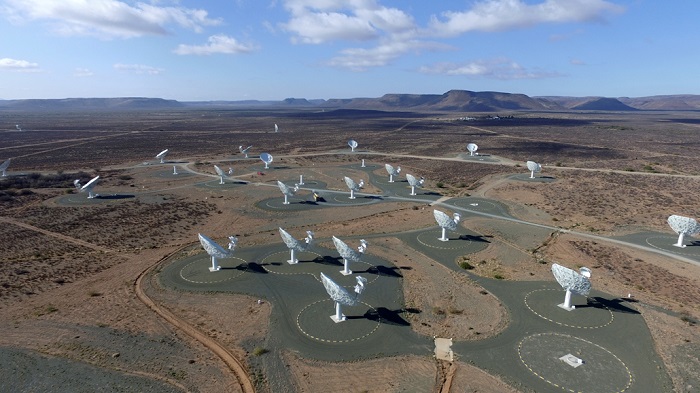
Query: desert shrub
{"points": [[259, 351], [438, 311], [466, 265], [37, 180]]}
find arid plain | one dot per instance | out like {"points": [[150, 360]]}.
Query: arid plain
{"points": [[83, 287]]}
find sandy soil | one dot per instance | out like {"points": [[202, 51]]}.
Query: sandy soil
{"points": [[450, 304], [402, 374]]}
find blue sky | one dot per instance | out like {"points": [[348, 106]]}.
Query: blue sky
{"points": [[275, 49]]}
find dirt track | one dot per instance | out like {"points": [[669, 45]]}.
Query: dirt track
{"points": [[231, 361]]}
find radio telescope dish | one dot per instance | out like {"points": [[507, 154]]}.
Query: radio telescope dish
{"points": [[87, 187], [578, 283], [296, 245], [472, 148], [353, 186], [216, 251], [533, 167], [392, 172], [161, 156], [446, 222], [683, 226], [287, 191], [353, 144], [18, 127], [3, 167], [244, 151], [349, 254], [221, 174], [341, 296], [276, 128], [414, 182], [267, 159]]}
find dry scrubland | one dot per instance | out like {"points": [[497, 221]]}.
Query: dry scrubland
{"points": [[67, 272]]}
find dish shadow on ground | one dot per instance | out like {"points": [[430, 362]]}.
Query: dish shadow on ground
{"points": [[385, 316]]}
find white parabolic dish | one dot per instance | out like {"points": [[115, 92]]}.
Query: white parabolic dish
{"points": [[266, 157], [340, 294], [472, 147], [533, 166], [445, 221], [571, 280], [683, 225], [413, 181]]}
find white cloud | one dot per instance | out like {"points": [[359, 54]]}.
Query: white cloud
{"points": [[138, 69], [502, 69], [82, 72], [577, 62], [319, 27], [319, 21], [219, 43], [499, 15], [360, 59], [107, 18], [8, 64]]}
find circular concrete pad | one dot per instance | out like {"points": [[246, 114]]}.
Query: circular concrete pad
{"points": [[315, 322], [181, 174], [666, 243], [587, 315], [456, 240], [359, 199], [295, 204], [197, 270], [215, 184], [83, 200], [480, 205], [601, 370], [526, 177]]}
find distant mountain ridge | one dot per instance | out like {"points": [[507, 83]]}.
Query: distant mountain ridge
{"points": [[91, 103], [453, 100]]}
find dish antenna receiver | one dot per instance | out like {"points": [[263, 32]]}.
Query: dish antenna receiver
{"points": [[683, 226], [574, 282], [353, 186], [349, 254], [87, 187], [161, 156], [276, 128], [18, 127], [341, 296], [533, 167], [216, 251], [222, 174], [267, 159], [287, 191], [415, 183], [472, 148], [353, 144], [446, 222], [3, 167], [392, 171], [244, 151], [296, 245]]}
